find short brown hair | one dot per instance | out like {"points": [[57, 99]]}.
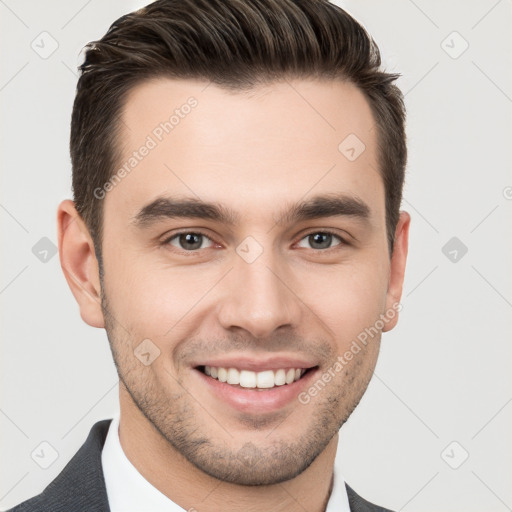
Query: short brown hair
{"points": [[235, 44]]}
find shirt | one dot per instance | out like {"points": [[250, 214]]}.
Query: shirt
{"points": [[129, 491]]}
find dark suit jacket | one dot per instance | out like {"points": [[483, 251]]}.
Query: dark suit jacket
{"points": [[80, 486]]}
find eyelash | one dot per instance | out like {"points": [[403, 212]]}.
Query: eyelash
{"points": [[167, 241]]}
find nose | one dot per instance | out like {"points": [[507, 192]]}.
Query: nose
{"points": [[259, 298]]}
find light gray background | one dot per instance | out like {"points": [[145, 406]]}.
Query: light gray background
{"points": [[444, 372]]}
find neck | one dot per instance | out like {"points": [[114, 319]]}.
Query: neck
{"points": [[192, 489]]}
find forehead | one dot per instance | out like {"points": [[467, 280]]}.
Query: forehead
{"points": [[255, 149]]}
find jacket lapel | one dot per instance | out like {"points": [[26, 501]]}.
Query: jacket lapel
{"points": [[358, 504], [80, 485]]}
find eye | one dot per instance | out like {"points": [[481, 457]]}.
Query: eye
{"points": [[192, 241], [188, 240], [321, 240]]}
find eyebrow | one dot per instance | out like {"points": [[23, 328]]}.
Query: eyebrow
{"points": [[327, 205]]}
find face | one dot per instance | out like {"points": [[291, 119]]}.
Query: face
{"points": [[249, 234]]}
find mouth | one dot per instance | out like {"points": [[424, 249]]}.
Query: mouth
{"points": [[253, 380], [255, 387]]}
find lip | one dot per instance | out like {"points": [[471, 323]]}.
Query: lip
{"points": [[252, 400], [257, 365]]}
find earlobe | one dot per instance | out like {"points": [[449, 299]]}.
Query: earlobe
{"points": [[397, 268], [79, 263]]}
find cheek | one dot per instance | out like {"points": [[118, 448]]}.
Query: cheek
{"points": [[153, 300], [350, 300]]}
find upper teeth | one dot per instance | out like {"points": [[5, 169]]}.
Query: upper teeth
{"points": [[248, 379]]}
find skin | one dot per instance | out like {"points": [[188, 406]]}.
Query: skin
{"points": [[255, 153]]}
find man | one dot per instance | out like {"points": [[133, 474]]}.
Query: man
{"points": [[237, 178]]}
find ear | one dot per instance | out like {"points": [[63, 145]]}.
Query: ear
{"points": [[79, 263], [397, 268]]}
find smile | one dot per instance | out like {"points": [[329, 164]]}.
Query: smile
{"points": [[266, 379]]}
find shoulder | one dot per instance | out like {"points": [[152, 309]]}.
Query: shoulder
{"points": [[80, 485]]}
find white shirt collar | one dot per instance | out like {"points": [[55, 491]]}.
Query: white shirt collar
{"points": [[129, 491]]}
